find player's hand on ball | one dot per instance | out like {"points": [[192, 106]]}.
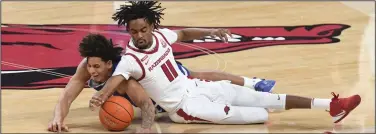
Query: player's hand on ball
{"points": [[221, 33], [57, 125], [97, 100]]}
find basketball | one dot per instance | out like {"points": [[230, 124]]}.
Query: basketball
{"points": [[116, 113]]}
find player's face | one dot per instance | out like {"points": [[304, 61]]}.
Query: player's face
{"points": [[98, 69], [141, 32]]}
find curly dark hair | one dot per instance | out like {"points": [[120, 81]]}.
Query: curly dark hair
{"points": [[150, 10], [97, 45]]}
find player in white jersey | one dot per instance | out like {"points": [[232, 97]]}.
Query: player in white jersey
{"points": [[97, 66], [150, 61]]}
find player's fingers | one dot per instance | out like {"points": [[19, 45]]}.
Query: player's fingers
{"points": [[54, 127], [212, 36], [58, 127], [217, 34], [95, 98], [91, 106], [95, 101], [229, 33], [223, 36], [98, 99], [92, 101], [223, 33], [65, 128], [49, 127]]}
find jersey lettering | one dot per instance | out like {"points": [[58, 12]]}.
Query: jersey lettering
{"points": [[159, 60]]}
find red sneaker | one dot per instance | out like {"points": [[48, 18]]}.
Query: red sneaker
{"points": [[341, 107]]}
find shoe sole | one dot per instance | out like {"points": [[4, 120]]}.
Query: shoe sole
{"points": [[355, 104], [271, 90]]}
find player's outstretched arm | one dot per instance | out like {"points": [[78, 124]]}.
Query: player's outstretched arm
{"points": [[217, 76], [198, 33], [68, 95]]}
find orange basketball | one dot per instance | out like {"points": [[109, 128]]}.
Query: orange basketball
{"points": [[116, 113]]}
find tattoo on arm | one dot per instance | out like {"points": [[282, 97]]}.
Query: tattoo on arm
{"points": [[147, 114]]}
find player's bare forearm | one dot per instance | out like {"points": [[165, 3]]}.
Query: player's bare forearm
{"points": [[198, 33], [111, 84], [74, 87], [147, 114], [193, 33], [62, 108], [217, 76], [70, 93]]}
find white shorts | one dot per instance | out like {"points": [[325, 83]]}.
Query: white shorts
{"points": [[221, 102]]}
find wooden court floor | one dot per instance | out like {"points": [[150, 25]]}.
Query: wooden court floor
{"points": [[306, 70]]}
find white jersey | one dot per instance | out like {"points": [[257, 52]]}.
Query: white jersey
{"points": [[156, 70]]}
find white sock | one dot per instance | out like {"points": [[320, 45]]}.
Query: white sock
{"points": [[250, 83], [320, 103]]}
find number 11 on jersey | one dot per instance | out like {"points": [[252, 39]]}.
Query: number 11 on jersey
{"points": [[169, 70]]}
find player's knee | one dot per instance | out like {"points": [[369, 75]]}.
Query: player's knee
{"points": [[264, 117], [256, 116], [261, 116], [121, 89]]}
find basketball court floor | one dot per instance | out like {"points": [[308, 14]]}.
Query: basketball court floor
{"points": [[313, 70]]}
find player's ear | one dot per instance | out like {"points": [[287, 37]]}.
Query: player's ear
{"points": [[152, 27], [109, 64]]}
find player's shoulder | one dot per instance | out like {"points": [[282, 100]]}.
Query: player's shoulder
{"points": [[129, 56], [169, 35], [165, 31]]}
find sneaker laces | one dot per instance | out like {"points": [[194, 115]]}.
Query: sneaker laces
{"points": [[333, 99], [335, 96]]}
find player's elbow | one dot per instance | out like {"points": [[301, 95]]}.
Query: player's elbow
{"points": [[260, 116], [182, 35]]}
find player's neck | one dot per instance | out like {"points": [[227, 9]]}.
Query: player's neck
{"points": [[148, 46]]}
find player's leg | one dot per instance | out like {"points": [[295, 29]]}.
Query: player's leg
{"points": [[253, 83], [201, 109], [339, 107]]}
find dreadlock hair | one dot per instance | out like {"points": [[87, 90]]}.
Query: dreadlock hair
{"points": [[96, 45], [139, 9]]}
